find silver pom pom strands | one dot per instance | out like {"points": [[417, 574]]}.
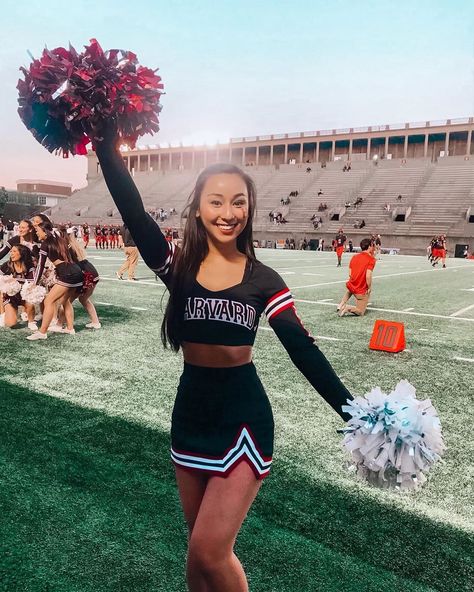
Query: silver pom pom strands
{"points": [[33, 294], [9, 285], [394, 439]]}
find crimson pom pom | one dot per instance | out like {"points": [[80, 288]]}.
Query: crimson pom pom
{"points": [[66, 95]]}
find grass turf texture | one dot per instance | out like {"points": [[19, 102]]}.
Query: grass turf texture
{"points": [[88, 500]]}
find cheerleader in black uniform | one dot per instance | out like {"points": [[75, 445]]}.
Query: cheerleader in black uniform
{"points": [[91, 279], [26, 236], [221, 416], [21, 268], [69, 276]]}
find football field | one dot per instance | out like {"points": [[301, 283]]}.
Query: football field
{"points": [[87, 495]]}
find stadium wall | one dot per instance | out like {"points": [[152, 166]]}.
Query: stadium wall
{"points": [[429, 139]]}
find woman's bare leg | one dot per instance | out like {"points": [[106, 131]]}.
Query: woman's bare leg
{"points": [[11, 315], [56, 293], [224, 506]]}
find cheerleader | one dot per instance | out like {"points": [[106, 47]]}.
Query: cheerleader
{"points": [[91, 279], [222, 424], [69, 276], [26, 236], [20, 266]]}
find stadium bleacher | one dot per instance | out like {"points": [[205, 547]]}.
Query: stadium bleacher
{"points": [[436, 198]]}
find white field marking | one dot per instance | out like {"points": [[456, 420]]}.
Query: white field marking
{"points": [[408, 309], [423, 329], [401, 312], [377, 277], [287, 272], [467, 289], [326, 300], [154, 283], [471, 360], [463, 310], [118, 305], [318, 274]]}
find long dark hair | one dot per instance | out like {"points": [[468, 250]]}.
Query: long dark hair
{"points": [[195, 249], [56, 245], [26, 259]]}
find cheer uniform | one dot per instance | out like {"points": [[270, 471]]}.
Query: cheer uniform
{"points": [[91, 275], [68, 274], [15, 300], [222, 416]]}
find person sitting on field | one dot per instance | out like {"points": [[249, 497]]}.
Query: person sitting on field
{"points": [[360, 280]]}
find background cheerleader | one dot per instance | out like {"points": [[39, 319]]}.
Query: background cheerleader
{"points": [[91, 279], [20, 267], [69, 276], [26, 236]]}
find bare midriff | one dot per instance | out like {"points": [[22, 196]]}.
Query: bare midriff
{"points": [[216, 356]]}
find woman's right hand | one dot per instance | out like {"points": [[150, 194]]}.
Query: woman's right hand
{"points": [[105, 134]]}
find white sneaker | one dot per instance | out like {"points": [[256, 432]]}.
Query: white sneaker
{"points": [[93, 325], [32, 326], [55, 329], [24, 316], [37, 335], [69, 331]]}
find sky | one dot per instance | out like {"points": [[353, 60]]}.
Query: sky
{"points": [[244, 68]]}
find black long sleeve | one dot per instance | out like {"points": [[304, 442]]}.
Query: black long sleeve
{"points": [[155, 250], [310, 360]]}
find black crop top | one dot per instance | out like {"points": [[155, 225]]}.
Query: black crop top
{"points": [[230, 316]]}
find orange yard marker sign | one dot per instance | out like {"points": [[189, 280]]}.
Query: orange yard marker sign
{"points": [[388, 336]]}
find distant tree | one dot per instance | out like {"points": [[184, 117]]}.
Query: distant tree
{"points": [[3, 199]]}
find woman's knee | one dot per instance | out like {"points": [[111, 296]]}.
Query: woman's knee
{"points": [[207, 555]]}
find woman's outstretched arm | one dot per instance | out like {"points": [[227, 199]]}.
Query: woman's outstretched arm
{"points": [[154, 248]]}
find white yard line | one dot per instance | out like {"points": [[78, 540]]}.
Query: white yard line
{"points": [[377, 277], [104, 303], [394, 311], [408, 309], [307, 273], [154, 283], [471, 360], [137, 308], [462, 311]]}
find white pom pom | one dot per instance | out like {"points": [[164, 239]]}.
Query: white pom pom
{"points": [[394, 439], [33, 294], [49, 278], [9, 285]]}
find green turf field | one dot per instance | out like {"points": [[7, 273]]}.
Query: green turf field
{"points": [[87, 495]]}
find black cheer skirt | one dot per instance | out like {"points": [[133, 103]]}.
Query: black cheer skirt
{"points": [[69, 275], [221, 417]]}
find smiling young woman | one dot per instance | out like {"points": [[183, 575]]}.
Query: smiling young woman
{"points": [[222, 423]]}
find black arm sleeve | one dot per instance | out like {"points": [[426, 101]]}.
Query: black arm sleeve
{"points": [[43, 256], [299, 344], [310, 360], [155, 250]]}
